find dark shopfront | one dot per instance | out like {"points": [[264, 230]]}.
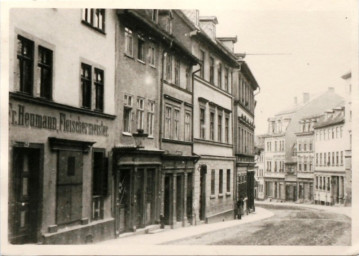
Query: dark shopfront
{"points": [[177, 183], [55, 170], [137, 188]]}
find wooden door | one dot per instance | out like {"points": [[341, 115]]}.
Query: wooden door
{"points": [[24, 209], [123, 200]]}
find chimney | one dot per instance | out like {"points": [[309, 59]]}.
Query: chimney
{"points": [[228, 42], [330, 89], [208, 24], [295, 100], [305, 97], [192, 15]]}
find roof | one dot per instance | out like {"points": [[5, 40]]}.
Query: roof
{"points": [[333, 120]]}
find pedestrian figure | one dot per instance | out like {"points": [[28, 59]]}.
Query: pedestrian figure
{"points": [[239, 208]]}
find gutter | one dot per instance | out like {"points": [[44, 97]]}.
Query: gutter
{"points": [[193, 74]]}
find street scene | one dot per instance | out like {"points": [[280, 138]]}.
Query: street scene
{"points": [[181, 127]]}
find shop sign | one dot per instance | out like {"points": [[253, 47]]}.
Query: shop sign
{"points": [[20, 117]]}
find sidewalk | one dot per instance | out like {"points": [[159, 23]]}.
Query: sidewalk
{"points": [[335, 209], [185, 232]]}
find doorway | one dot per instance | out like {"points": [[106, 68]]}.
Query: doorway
{"points": [[123, 200], [167, 199], [25, 198], [202, 197]]}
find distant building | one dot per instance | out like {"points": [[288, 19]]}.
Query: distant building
{"points": [[259, 168], [283, 180], [329, 153]]}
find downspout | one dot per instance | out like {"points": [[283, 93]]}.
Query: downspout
{"points": [[164, 54], [193, 73]]}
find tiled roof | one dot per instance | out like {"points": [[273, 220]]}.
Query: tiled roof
{"points": [[335, 119]]}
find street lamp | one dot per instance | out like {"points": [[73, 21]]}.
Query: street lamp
{"points": [[139, 138]]}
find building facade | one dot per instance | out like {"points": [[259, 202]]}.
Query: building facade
{"points": [[61, 116], [288, 148], [243, 130], [330, 174], [259, 167]]}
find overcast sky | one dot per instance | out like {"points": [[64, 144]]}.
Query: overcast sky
{"points": [[313, 36]]}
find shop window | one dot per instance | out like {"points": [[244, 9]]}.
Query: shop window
{"points": [[25, 57], [187, 127], [220, 185], [128, 42], [99, 183], [228, 180], [141, 48], [45, 66], [177, 71], [99, 89], [69, 187], [213, 183], [86, 85], [94, 18]]}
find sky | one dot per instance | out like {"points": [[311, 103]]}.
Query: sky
{"points": [[302, 46]]}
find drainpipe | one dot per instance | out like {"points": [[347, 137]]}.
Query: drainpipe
{"points": [[164, 54]]}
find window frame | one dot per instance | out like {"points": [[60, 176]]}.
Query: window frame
{"points": [[99, 89], [97, 24], [86, 86], [45, 87], [25, 84], [128, 42]]}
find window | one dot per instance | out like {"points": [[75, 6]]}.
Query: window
{"points": [[341, 158], [140, 113], [168, 114], [176, 124], [226, 81], [329, 159], [328, 184], [316, 159], [213, 184], [99, 89], [154, 16], [45, 66], [300, 167], [320, 163], [211, 126], [188, 79], [127, 113], [99, 183], [141, 48], [304, 147], [228, 180], [187, 127], [177, 71], [168, 67], [211, 70], [219, 138], [202, 123], [310, 146], [299, 147], [151, 55], [128, 42], [275, 146], [219, 76], [86, 85], [25, 56], [337, 158], [94, 17], [226, 129], [333, 158], [220, 185], [69, 187], [150, 118], [202, 63]]}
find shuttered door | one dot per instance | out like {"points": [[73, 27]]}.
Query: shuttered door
{"points": [[69, 187]]}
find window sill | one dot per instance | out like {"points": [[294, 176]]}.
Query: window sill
{"points": [[128, 56], [152, 66], [127, 134], [150, 137], [220, 195], [228, 194], [212, 197], [92, 27], [141, 61]]}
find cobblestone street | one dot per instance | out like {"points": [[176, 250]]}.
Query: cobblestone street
{"points": [[290, 225]]}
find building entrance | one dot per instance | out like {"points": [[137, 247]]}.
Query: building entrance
{"points": [[202, 198], [25, 195]]}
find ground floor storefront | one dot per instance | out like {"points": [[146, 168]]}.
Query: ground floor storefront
{"points": [[329, 188], [214, 193], [59, 179]]}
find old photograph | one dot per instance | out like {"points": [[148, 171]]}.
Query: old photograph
{"points": [[179, 127]]}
